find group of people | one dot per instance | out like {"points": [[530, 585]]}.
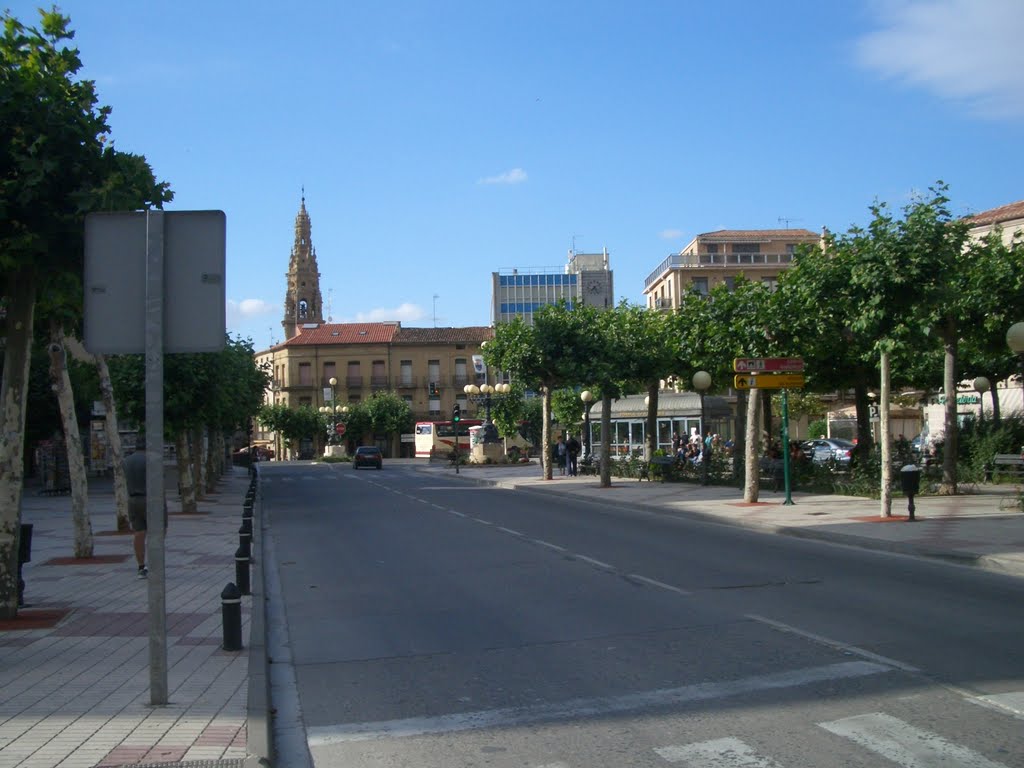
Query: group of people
{"points": [[695, 449], [566, 454]]}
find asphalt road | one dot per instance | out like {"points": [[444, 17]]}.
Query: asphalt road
{"points": [[441, 623]]}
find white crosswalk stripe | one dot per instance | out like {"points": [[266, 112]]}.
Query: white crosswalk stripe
{"points": [[717, 753], [905, 745]]}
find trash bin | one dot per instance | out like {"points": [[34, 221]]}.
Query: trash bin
{"points": [[24, 556], [910, 483]]}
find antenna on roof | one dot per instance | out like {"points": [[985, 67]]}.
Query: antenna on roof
{"points": [[786, 220]]}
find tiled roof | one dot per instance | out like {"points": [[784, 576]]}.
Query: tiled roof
{"points": [[759, 234], [474, 334], [1003, 213], [344, 333]]}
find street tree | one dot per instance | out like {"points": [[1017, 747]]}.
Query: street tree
{"points": [[52, 159]]}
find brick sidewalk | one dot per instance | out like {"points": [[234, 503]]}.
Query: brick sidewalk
{"points": [[74, 665]]}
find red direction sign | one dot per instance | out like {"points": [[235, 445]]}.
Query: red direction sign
{"points": [[763, 364], [339, 429]]}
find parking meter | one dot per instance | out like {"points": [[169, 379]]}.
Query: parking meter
{"points": [[910, 482]]}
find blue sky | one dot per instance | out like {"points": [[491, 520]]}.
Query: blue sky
{"points": [[439, 142]]}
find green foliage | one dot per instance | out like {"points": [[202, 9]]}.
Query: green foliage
{"points": [[389, 414]]}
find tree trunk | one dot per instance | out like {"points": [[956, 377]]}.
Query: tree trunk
{"points": [[197, 436], [950, 437], [186, 485], [214, 461], [114, 441], [752, 482], [739, 446], [545, 432], [652, 421], [997, 418], [61, 382], [606, 441], [20, 291], [884, 439]]}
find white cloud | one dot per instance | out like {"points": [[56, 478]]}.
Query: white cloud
{"points": [[965, 50], [671, 234], [255, 307], [405, 312], [514, 176]]}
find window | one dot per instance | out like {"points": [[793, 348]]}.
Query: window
{"points": [[746, 247], [406, 373], [712, 247], [305, 375], [434, 372], [330, 372], [699, 285], [303, 309], [770, 282]]}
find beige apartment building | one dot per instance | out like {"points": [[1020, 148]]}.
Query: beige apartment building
{"points": [[720, 257], [427, 367], [1008, 218]]}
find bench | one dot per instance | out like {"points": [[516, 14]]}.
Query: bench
{"points": [[1003, 462], [666, 468]]}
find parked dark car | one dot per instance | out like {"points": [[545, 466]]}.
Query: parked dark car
{"points": [[367, 456], [823, 450], [262, 453]]}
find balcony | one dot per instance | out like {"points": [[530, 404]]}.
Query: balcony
{"points": [[408, 382], [354, 382], [733, 261], [378, 382]]}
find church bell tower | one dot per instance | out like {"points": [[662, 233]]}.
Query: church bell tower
{"points": [[302, 302]]}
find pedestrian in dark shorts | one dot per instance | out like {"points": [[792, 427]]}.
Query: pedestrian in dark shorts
{"points": [[135, 479]]}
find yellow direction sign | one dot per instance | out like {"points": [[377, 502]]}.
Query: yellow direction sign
{"points": [[769, 381]]}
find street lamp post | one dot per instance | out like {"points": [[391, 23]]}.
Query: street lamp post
{"points": [[981, 386], [701, 382], [334, 405], [483, 394], [586, 396], [1015, 341]]}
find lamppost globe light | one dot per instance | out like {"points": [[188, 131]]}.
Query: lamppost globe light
{"points": [[586, 395], [1015, 338], [344, 409], [981, 385], [332, 381], [701, 382]]}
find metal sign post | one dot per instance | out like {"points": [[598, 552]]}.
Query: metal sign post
{"points": [[135, 261], [155, 511]]}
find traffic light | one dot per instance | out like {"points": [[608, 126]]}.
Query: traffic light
{"points": [[433, 389], [456, 413]]}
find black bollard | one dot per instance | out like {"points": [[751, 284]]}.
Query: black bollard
{"points": [[231, 616], [245, 537], [242, 571]]}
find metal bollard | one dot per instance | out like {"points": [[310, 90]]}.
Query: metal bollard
{"points": [[242, 571], [245, 537], [231, 617]]}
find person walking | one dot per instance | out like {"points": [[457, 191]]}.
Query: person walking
{"points": [[135, 479], [560, 455], [572, 448]]}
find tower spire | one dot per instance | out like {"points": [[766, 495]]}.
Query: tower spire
{"points": [[302, 302]]}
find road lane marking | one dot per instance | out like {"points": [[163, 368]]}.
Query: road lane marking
{"points": [[836, 644], [549, 545], [659, 584], [592, 707], [457, 513], [1008, 702], [592, 561], [509, 530], [717, 753], [905, 745]]}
